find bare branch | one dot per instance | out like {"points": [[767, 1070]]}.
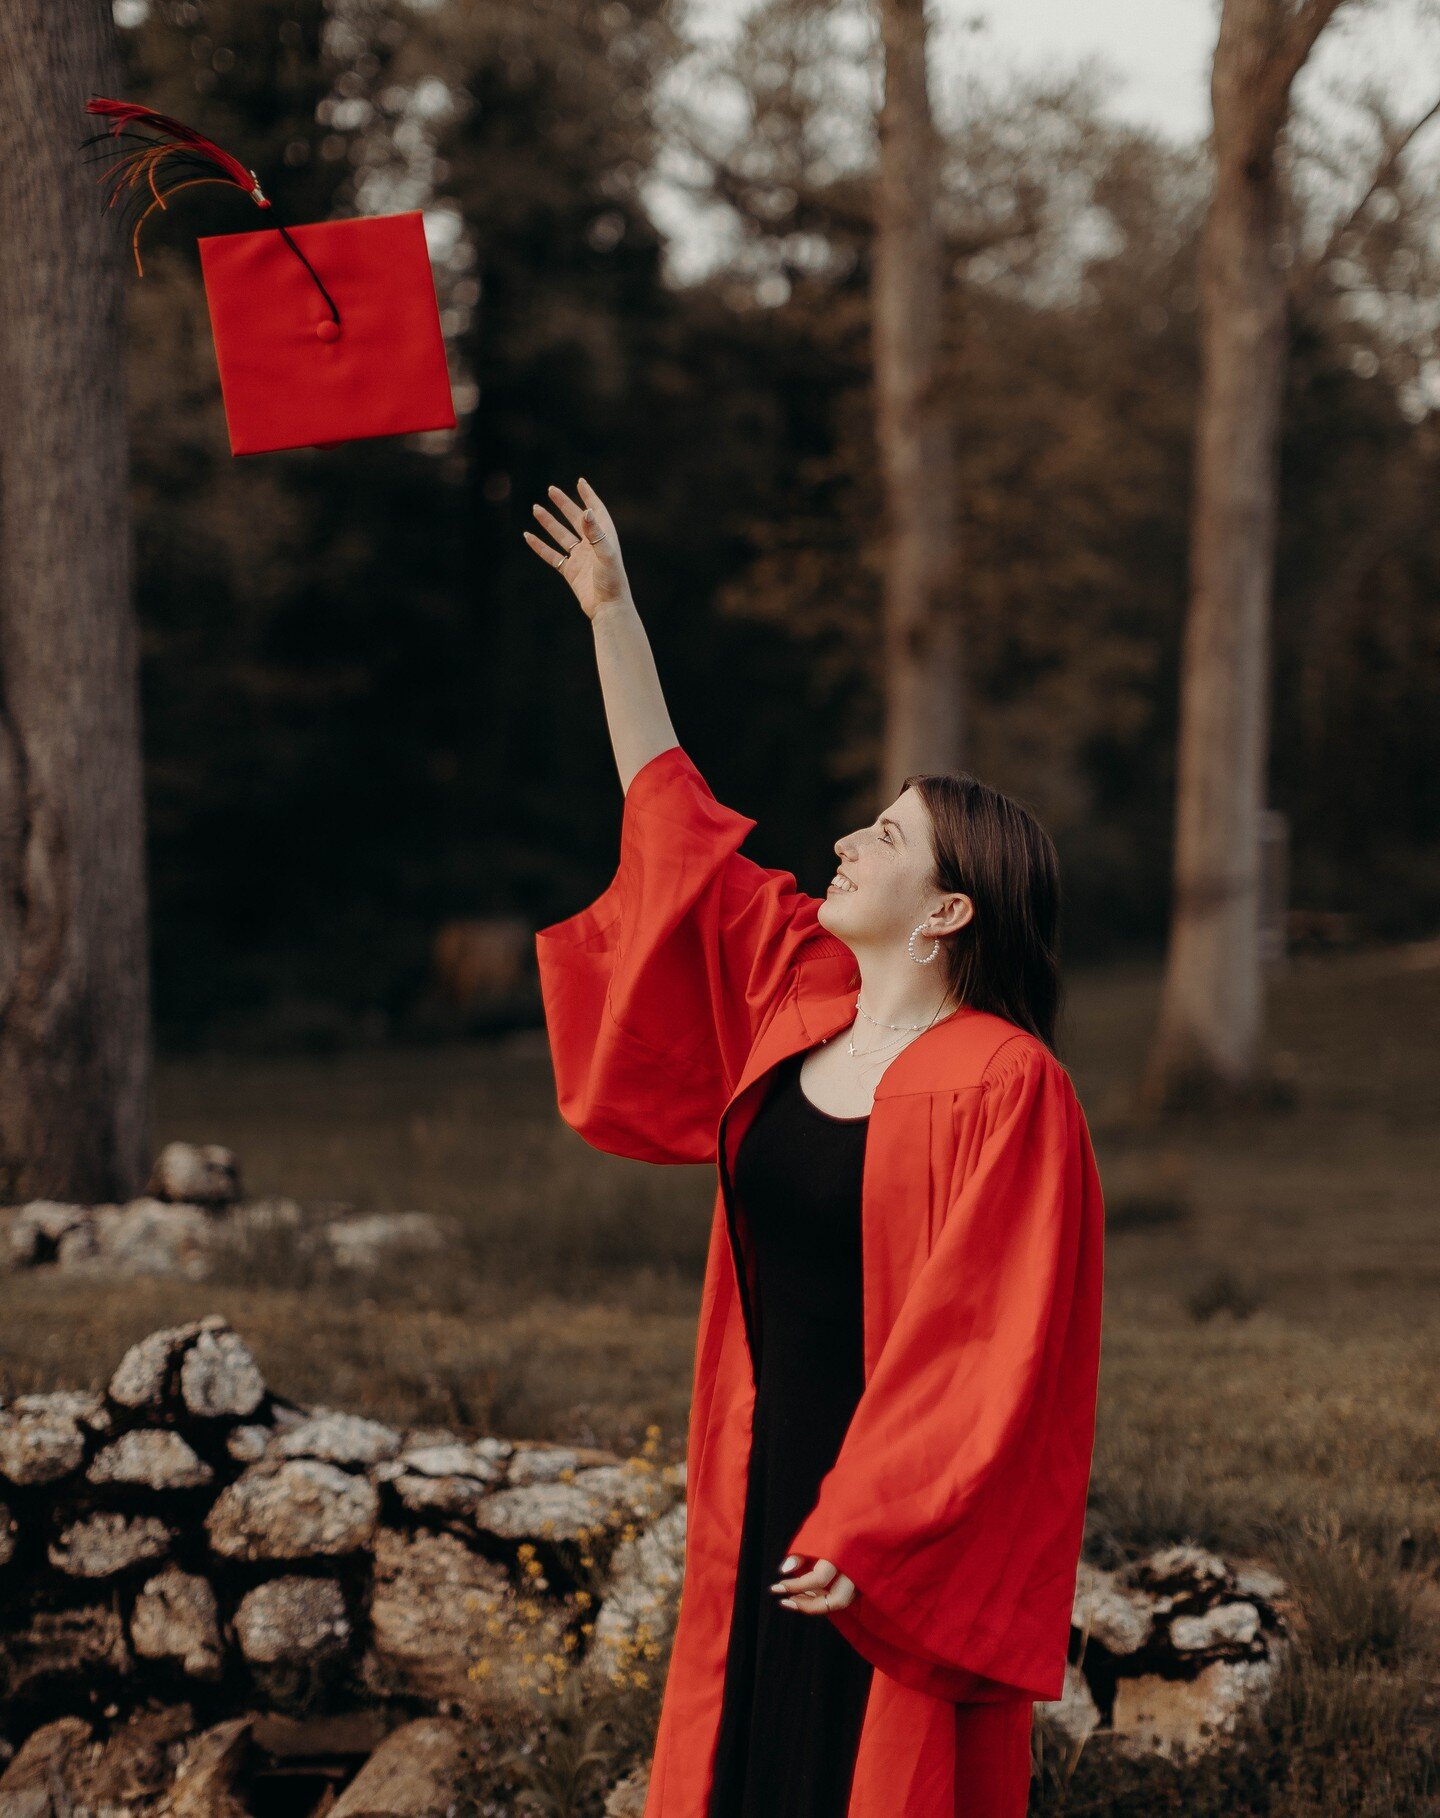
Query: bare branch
{"points": [[1397, 143]]}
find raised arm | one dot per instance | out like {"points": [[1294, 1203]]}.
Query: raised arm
{"points": [[588, 555]]}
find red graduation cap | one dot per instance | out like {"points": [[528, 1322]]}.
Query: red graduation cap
{"points": [[324, 334]]}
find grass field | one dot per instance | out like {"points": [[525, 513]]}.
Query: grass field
{"points": [[1271, 1365]]}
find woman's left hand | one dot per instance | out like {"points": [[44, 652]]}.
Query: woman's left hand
{"points": [[824, 1587]]}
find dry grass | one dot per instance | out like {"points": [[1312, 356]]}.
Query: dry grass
{"points": [[1271, 1369]]}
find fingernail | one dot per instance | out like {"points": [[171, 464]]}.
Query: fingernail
{"points": [[790, 1559]]}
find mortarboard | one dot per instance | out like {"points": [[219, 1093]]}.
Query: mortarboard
{"points": [[325, 334]]}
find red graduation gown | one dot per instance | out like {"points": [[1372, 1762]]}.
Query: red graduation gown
{"points": [[957, 1501]]}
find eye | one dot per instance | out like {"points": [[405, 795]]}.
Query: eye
{"points": [[885, 835]]}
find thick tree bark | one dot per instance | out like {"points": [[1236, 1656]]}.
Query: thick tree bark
{"points": [[1212, 1011], [74, 978], [923, 648]]}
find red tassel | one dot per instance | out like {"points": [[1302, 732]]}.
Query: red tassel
{"points": [[178, 143]]}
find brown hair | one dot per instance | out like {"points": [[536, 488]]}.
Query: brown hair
{"points": [[992, 848]]}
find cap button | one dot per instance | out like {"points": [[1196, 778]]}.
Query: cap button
{"points": [[327, 329]]}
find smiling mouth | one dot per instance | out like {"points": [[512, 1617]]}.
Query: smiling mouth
{"points": [[841, 885]]}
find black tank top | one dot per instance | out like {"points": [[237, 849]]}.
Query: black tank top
{"points": [[795, 1688]]}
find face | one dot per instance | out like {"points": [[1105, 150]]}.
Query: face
{"points": [[881, 889]]}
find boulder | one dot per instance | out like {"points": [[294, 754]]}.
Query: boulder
{"points": [[106, 1543], [418, 1771], [1074, 1713], [202, 1787], [45, 1764], [143, 1379], [292, 1621], [219, 1377], [39, 1442], [1180, 1718], [340, 1439], [1119, 1619], [79, 1645], [175, 1618], [645, 1577], [446, 1626], [202, 1174], [300, 1509], [154, 1459]]}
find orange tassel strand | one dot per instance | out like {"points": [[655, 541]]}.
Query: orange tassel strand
{"points": [[177, 144]]}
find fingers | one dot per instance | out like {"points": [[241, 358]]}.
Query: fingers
{"points": [[574, 512], [600, 518], [565, 538], [555, 557], [815, 1579], [824, 1587]]}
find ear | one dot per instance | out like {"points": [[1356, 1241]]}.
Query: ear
{"points": [[953, 914]]}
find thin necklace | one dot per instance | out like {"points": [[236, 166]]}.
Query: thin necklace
{"points": [[904, 1028]]}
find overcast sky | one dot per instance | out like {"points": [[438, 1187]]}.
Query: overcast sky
{"points": [[1156, 53]]}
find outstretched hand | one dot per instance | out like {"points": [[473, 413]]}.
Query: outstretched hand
{"points": [[824, 1587], [589, 549]]}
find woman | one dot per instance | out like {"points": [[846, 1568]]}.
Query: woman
{"points": [[898, 1351]]}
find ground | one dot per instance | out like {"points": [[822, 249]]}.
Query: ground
{"points": [[1271, 1362]]}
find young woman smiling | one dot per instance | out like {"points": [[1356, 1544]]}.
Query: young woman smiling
{"points": [[897, 1360]]}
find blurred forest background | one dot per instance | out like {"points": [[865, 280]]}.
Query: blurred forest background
{"points": [[368, 710]]}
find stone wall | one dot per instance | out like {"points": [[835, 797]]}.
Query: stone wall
{"points": [[187, 1540]]}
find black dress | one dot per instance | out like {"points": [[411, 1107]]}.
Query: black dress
{"points": [[795, 1688]]}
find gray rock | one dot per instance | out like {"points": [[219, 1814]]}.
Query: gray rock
{"points": [[598, 1500], [145, 1237], [203, 1174], [639, 1604], [175, 1618], [533, 1463], [371, 1240], [202, 1787], [1180, 1718], [83, 1406], [143, 1377], [39, 1443], [158, 1459], [1179, 1568], [72, 1645], [446, 1626], [418, 1771], [35, 1230], [219, 1377], [626, 1799], [44, 1765], [107, 1542], [1074, 1713], [301, 1509], [1226, 1625], [451, 1480], [292, 1621], [249, 1444], [1120, 1619], [342, 1439]]}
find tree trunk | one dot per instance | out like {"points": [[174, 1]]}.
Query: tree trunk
{"points": [[924, 686], [1211, 1020], [74, 976]]}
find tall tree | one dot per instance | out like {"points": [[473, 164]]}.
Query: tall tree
{"points": [[74, 992], [1211, 1018], [923, 642]]}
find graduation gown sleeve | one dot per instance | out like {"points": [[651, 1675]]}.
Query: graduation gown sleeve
{"points": [[957, 1501], [654, 993]]}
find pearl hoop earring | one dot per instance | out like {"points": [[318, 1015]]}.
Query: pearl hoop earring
{"points": [[910, 946]]}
